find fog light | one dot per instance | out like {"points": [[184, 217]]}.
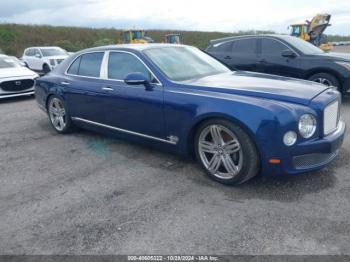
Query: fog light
{"points": [[290, 138]]}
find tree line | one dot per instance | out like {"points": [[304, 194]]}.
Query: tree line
{"points": [[14, 38]]}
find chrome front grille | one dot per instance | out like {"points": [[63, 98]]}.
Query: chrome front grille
{"points": [[331, 116]]}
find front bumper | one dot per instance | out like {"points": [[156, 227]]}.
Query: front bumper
{"points": [[308, 156], [9, 95]]}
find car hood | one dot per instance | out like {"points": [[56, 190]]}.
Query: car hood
{"points": [[337, 56], [16, 72], [262, 85]]}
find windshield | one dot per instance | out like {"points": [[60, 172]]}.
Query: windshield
{"points": [[52, 51], [184, 63], [302, 45], [7, 62]]}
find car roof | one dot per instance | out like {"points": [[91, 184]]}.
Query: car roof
{"points": [[43, 47], [219, 40], [138, 47]]}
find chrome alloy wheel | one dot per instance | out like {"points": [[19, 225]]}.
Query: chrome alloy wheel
{"points": [[220, 151], [57, 114], [323, 81]]}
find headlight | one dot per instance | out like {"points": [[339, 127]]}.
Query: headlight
{"points": [[290, 138], [52, 62], [307, 125]]}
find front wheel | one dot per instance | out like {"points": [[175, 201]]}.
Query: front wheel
{"points": [[46, 68], [226, 152], [325, 79], [58, 115]]}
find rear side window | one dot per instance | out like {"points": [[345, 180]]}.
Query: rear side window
{"points": [[223, 47], [90, 64], [122, 64], [244, 46], [272, 47], [74, 68]]}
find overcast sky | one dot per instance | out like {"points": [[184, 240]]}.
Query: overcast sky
{"points": [[218, 15]]}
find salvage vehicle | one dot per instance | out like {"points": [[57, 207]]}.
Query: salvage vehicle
{"points": [[15, 80], [237, 124], [285, 56], [43, 59]]}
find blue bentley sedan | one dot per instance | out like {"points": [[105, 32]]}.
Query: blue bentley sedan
{"points": [[237, 124]]}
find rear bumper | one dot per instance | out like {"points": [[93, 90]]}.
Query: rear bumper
{"points": [[309, 156]]}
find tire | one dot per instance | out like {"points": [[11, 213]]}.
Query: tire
{"points": [[58, 115], [216, 155], [326, 79], [46, 68]]}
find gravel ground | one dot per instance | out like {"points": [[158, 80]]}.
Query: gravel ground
{"points": [[342, 49], [88, 194]]}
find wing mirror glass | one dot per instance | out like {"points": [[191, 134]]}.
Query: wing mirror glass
{"points": [[289, 54], [138, 79]]}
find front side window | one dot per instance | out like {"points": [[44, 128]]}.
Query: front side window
{"points": [[272, 47], [121, 64], [244, 46], [302, 45], [90, 64], [37, 53], [184, 63]]}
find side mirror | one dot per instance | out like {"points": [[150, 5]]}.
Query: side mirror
{"points": [[138, 79], [37, 55], [289, 54]]}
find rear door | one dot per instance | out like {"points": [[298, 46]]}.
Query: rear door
{"points": [[244, 54], [271, 61], [84, 88]]}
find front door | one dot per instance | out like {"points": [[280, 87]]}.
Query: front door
{"points": [[271, 61], [132, 107]]}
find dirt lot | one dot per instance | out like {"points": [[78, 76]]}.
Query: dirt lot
{"points": [[85, 193]]}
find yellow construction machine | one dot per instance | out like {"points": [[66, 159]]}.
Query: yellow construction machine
{"points": [[134, 36], [312, 31]]}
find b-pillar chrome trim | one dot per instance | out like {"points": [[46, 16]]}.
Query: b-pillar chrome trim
{"points": [[170, 141]]}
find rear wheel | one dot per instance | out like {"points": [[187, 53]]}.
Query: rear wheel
{"points": [[226, 152], [58, 115], [325, 79]]}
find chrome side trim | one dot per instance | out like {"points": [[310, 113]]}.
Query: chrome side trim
{"points": [[173, 142]]}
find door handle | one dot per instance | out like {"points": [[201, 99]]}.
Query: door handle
{"points": [[106, 88], [262, 61], [227, 57], [65, 83]]}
